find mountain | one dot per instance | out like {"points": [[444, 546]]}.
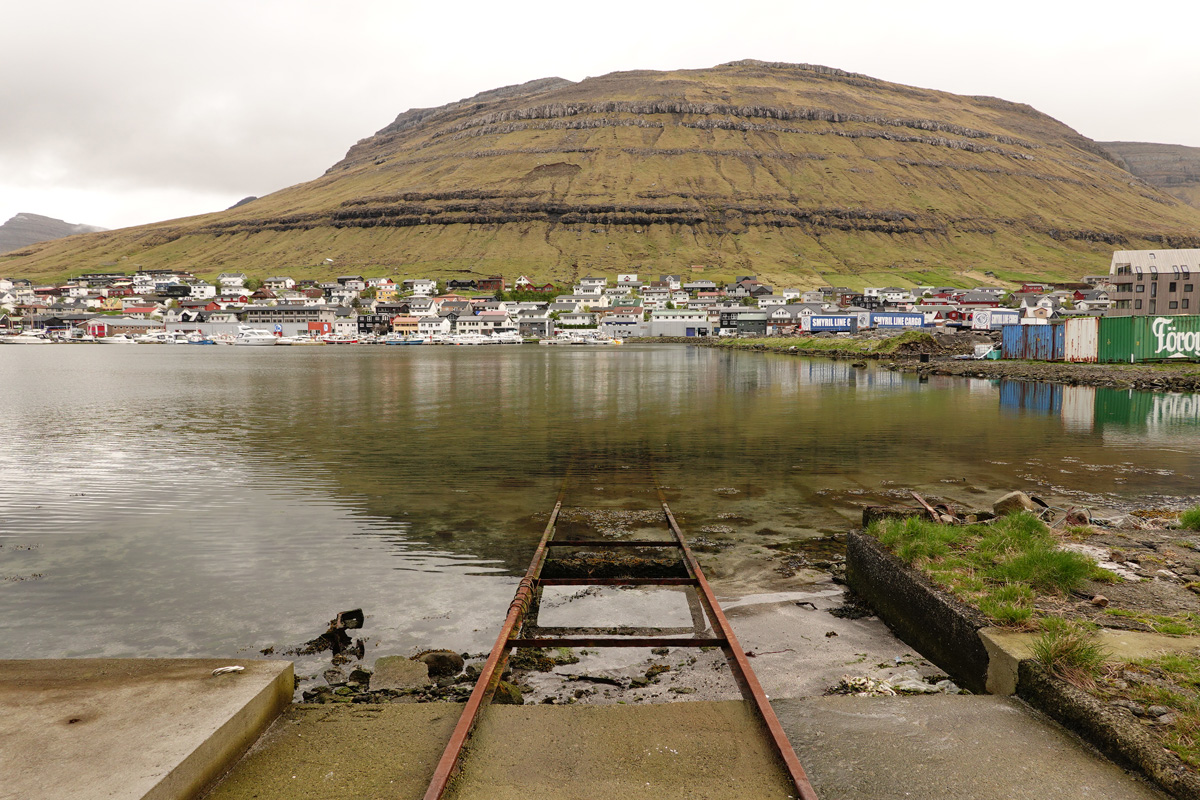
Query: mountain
{"points": [[26, 229], [803, 175], [1173, 168]]}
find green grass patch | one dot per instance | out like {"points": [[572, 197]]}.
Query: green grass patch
{"points": [[1190, 519], [830, 344], [1186, 623], [1000, 567]]}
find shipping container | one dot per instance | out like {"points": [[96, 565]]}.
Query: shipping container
{"points": [[1044, 342], [994, 319], [1012, 342], [1082, 337], [838, 324], [1033, 342], [1134, 339], [898, 319]]}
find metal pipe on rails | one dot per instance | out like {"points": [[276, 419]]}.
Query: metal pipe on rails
{"points": [[485, 686], [742, 669]]}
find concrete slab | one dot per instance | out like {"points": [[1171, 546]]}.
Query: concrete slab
{"points": [[130, 729], [939, 746], [1006, 649], [365, 752], [693, 750]]}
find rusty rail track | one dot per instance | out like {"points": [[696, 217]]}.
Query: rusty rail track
{"points": [[528, 596]]}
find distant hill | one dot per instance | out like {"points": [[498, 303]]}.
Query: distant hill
{"points": [[26, 229], [1173, 168], [803, 175]]}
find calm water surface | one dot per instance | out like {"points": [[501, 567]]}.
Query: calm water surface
{"points": [[179, 501]]}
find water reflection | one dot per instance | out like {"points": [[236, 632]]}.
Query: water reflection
{"points": [[1120, 412], [181, 501]]}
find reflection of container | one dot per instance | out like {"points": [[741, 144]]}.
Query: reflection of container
{"points": [[1045, 398], [1081, 338], [1132, 339]]}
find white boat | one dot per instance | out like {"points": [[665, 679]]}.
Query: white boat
{"points": [[255, 337], [117, 338], [508, 337], [162, 337], [27, 337], [470, 338]]}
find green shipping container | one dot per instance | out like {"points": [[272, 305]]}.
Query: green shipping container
{"points": [[1133, 339]]}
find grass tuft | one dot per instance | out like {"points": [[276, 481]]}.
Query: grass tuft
{"points": [[1070, 651], [1190, 519]]}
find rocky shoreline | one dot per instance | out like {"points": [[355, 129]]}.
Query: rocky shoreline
{"points": [[939, 354]]}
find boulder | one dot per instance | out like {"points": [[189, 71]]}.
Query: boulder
{"points": [[1013, 502], [398, 672], [507, 694], [441, 662], [360, 676]]}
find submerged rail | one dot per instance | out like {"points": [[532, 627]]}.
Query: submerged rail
{"points": [[528, 596]]}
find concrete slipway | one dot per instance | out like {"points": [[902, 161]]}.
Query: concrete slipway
{"points": [[879, 748], [163, 729]]}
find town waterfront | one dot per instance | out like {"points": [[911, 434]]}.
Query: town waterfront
{"points": [[220, 501]]}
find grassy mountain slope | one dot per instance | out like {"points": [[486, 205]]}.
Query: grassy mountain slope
{"points": [[803, 175]]}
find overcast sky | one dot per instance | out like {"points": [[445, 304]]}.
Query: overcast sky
{"points": [[131, 111]]}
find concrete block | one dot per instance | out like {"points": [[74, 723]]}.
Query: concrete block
{"points": [[398, 672], [130, 729]]}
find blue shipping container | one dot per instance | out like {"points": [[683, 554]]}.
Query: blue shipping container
{"points": [[898, 319], [838, 324], [1034, 342], [1012, 342]]}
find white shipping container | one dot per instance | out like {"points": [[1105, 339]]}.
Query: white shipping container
{"points": [[993, 319], [1082, 339]]}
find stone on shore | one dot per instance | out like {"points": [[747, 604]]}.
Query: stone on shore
{"points": [[398, 672], [441, 663], [1013, 501]]}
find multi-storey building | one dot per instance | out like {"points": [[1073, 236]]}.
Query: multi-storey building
{"points": [[1161, 282]]}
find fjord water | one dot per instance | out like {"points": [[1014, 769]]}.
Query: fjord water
{"points": [[179, 501]]}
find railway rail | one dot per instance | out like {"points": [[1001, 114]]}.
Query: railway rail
{"points": [[706, 615]]}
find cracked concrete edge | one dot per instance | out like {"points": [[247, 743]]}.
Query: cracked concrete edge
{"points": [[1117, 736], [913, 607], [196, 775]]}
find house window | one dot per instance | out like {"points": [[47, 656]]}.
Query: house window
{"points": [[1171, 287], [1153, 306], [1172, 304], [1187, 287], [1185, 303], [1140, 287], [1137, 303], [1139, 276], [1154, 270]]}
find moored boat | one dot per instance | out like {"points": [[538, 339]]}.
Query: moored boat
{"points": [[27, 337], [255, 337]]}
